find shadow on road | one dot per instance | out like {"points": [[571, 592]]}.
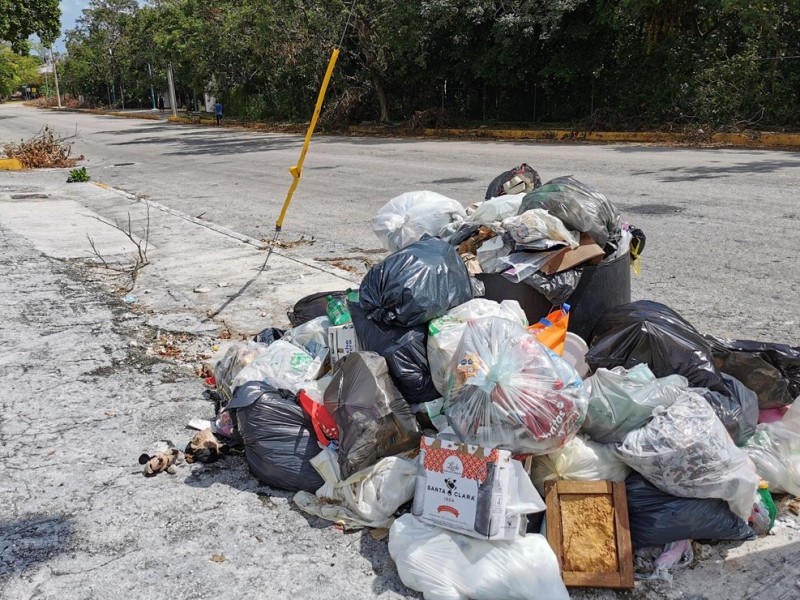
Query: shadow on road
{"points": [[32, 540], [679, 174]]}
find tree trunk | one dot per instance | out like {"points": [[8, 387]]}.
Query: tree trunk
{"points": [[373, 64], [383, 103]]}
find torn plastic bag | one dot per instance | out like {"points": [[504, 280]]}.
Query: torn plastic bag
{"points": [[368, 498], [373, 418], [497, 209], [538, 224], [649, 332], [771, 370], [313, 306], [580, 459], [406, 218], [236, 358], [505, 390], [558, 287], [738, 410], [405, 353], [519, 179], [685, 450], [621, 400], [578, 206], [278, 437], [444, 565], [283, 365], [775, 450], [268, 335], [416, 284], [492, 252], [658, 518], [445, 333], [519, 266], [309, 335]]}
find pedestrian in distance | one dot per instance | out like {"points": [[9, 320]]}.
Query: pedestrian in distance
{"points": [[218, 112], [161, 103]]}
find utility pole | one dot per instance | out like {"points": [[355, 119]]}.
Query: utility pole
{"points": [[152, 92], [55, 76], [172, 99]]}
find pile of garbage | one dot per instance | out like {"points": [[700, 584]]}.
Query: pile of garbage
{"points": [[416, 404]]}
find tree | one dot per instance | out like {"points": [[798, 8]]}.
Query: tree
{"points": [[20, 19], [16, 70]]}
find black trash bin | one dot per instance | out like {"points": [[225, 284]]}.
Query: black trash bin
{"points": [[601, 287]]}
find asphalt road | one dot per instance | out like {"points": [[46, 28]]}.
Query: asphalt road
{"points": [[721, 224]]}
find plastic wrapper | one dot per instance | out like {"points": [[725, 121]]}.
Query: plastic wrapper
{"points": [[538, 224], [278, 438], [417, 284], [578, 206], [368, 498], [282, 364], [651, 333], [373, 418], [506, 390], [268, 335], [528, 180], [492, 252], [738, 410], [775, 450], [313, 306], [445, 333], [685, 450], [521, 265], [497, 209], [621, 400], [311, 334], [444, 565], [406, 218], [772, 371], [404, 350], [656, 517], [558, 287], [676, 555], [236, 358], [580, 459]]}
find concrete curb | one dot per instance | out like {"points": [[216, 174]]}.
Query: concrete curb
{"points": [[11, 164], [341, 274]]}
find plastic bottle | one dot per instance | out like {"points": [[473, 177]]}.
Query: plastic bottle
{"points": [[766, 500], [419, 489], [337, 311], [352, 295]]}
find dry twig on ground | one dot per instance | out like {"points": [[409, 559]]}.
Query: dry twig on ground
{"points": [[140, 259], [44, 150]]}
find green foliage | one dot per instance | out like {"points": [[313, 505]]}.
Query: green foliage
{"points": [[16, 70], [20, 19], [78, 175]]}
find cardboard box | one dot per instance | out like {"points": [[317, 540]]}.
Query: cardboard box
{"points": [[466, 489], [569, 258], [342, 340]]}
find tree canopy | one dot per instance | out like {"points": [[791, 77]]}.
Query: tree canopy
{"points": [[19, 19]]}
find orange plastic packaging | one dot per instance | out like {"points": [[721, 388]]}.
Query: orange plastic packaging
{"points": [[551, 331]]}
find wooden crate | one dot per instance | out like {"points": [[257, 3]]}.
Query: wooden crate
{"points": [[567, 493]]}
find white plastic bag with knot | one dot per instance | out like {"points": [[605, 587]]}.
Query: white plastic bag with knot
{"points": [[406, 218]]}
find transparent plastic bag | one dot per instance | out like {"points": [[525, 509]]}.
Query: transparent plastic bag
{"points": [[236, 358], [445, 333], [686, 451], [506, 390], [538, 224], [497, 209], [444, 565], [775, 450], [621, 400], [311, 332], [283, 365], [580, 459], [578, 206], [406, 218]]}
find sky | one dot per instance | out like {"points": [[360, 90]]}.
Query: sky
{"points": [[70, 11]]}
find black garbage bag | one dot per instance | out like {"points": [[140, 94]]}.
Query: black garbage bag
{"points": [[313, 306], [657, 518], [579, 206], [527, 180], [649, 332], [278, 437], [414, 285], [771, 370], [269, 335], [405, 350], [373, 418], [738, 409], [558, 287]]}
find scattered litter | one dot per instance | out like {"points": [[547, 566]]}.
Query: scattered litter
{"points": [[130, 298], [201, 290]]}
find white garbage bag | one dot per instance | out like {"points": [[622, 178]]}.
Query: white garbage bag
{"points": [[283, 365], [686, 451], [368, 498], [445, 333], [538, 224], [580, 460], [406, 218], [444, 565], [775, 450], [497, 209], [313, 332]]}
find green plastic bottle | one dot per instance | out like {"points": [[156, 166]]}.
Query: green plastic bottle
{"points": [[352, 295], [766, 500], [337, 311]]}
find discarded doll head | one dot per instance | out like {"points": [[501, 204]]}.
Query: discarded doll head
{"points": [[204, 448]]}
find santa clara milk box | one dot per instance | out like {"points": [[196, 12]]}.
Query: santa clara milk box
{"points": [[465, 488]]}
